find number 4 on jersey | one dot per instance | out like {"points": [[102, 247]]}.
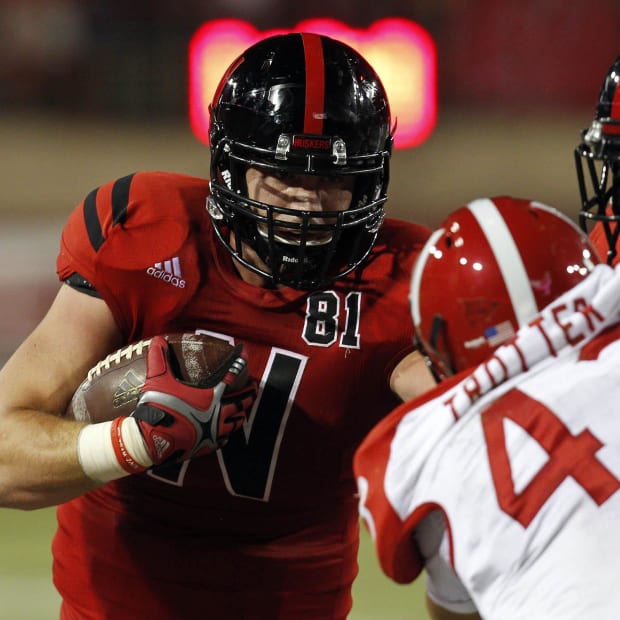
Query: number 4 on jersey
{"points": [[569, 456]]}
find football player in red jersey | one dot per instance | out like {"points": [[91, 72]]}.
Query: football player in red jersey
{"points": [[597, 159], [503, 482], [285, 250]]}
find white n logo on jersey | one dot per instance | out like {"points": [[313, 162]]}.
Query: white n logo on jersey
{"points": [[168, 271]]}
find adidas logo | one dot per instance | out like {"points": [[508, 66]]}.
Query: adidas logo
{"points": [[168, 271], [128, 389], [161, 445]]}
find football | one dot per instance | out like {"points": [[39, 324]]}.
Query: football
{"points": [[112, 387]]}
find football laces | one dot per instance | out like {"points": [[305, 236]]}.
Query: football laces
{"points": [[115, 358]]}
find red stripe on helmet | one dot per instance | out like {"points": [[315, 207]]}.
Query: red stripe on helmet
{"points": [[315, 84]]}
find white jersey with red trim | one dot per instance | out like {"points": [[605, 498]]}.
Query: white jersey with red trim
{"points": [[521, 460]]}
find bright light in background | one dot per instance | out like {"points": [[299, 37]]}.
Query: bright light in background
{"points": [[401, 51]]}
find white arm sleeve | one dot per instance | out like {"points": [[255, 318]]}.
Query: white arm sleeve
{"points": [[442, 583]]}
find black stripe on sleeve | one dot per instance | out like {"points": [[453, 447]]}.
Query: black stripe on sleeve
{"points": [[120, 198], [91, 219], [120, 202]]}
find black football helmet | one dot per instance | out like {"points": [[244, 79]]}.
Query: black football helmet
{"points": [[295, 104], [598, 163]]}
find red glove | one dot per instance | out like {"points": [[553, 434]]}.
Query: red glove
{"points": [[178, 421]]}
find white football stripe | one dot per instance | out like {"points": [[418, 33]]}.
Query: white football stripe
{"points": [[508, 258]]}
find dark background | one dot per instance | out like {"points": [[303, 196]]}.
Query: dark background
{"points": [[127, 60]]}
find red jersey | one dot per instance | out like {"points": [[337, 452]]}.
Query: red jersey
{"points": [[268, 526]]}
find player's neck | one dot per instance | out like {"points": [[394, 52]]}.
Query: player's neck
{"points": [[250, 277]]}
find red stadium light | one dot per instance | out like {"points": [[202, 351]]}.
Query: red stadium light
{"points": [[401, 51]]}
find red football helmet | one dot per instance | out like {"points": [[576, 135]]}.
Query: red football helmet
{"points": [[489, 269], [598, 163]]}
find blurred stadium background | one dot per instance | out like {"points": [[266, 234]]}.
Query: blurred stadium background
{"points": [[93, 90]]}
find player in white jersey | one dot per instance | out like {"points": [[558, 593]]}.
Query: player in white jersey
{"points": [[502, 482]]}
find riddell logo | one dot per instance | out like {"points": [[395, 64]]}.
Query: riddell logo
{"points": [[161, 445], [169, 271]]}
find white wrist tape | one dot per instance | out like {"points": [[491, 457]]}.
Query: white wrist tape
{"points": [[111, 450]]}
